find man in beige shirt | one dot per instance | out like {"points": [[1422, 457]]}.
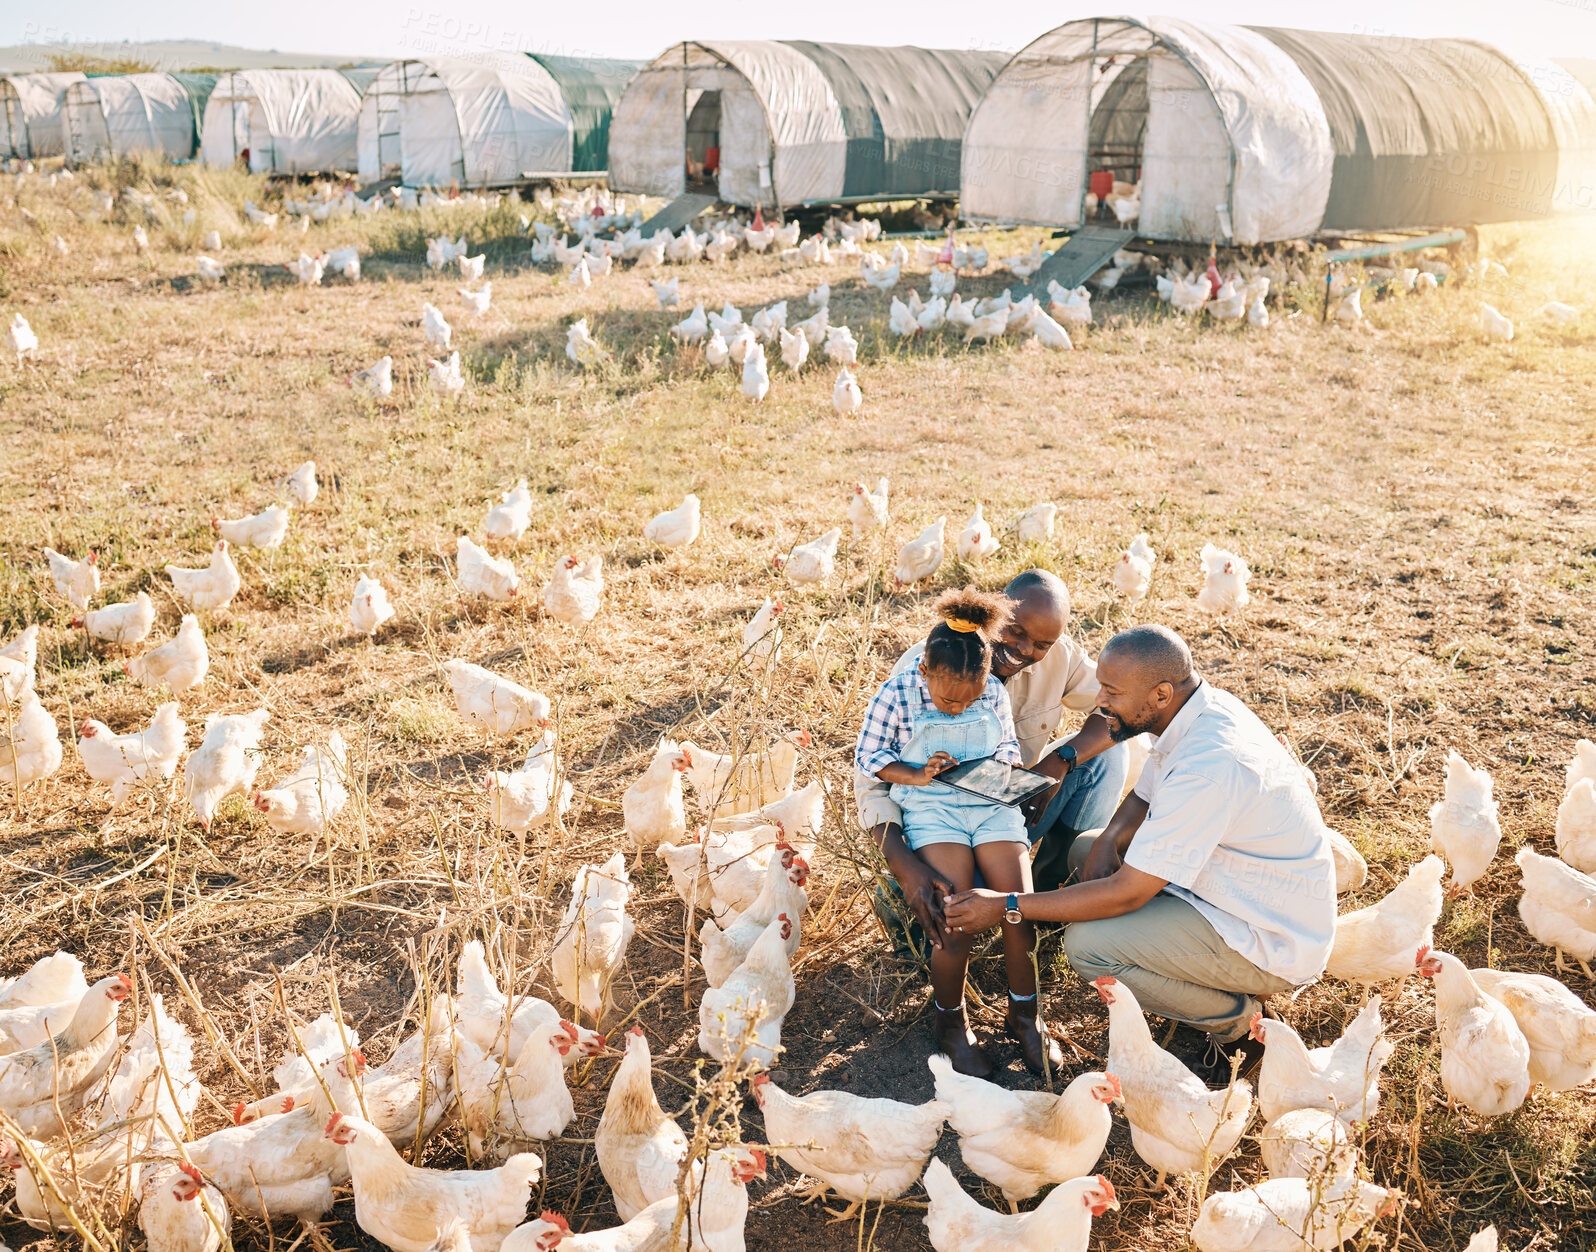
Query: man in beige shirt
{"points": [[1047, 676]]}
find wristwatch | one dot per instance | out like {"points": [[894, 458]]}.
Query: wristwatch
{"points": [[1067, 755], [1011, 909]]}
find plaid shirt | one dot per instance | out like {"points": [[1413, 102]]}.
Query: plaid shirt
{"points": [[889, 721]]}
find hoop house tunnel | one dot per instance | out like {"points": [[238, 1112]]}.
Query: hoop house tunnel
{"points": [[487, 122], [286, 121], [119, 115], [783, 123], [30, 113]]}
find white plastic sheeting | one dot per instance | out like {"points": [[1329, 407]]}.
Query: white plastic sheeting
{"points": [[1572, 110], [30, 113], [782, 137], [119, 115], [289, 121], [477, 121], [1234, 129]]}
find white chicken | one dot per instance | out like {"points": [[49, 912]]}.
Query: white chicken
{"points": [[1290, 1215], [1559, 1028], [581, 347], [512, 1103], [345, 261], [756, 376], [411, 1209], [1576, 825], [769, 322], [668, 293], [1343, 1077], [445, 375], [180, 663], [179, 1211], [480, 573], [1374, 944], [312, 796], [123, 760], [841, 346], [976, 540], [762, 635], [1307, 1143], [722, 951], [811, 562], [527, 797], [1464, 827], [676, 527], [728, 784], [574, 590], [1035, 525], [815, 329], [76, 581], [921, 557], [794, 349], [1177, 1124], [867, 510], [472, 267], [512, 515], [32, 749], [212, 587], [308, 269], [1133, 572], [435, 327], [694, 327], [18, 660], [639, 1148], [495, 705], [1495, 327], [749, 1007], [20, 339], [225, 763], [652, 807], [501, 1024], [846, 397], [368, 606], [1581, 766], [1225, 576], [1026, 1140], [1484, 1056], [265, 529], [1558, 906], [49, 980], [43, 1084], [123, 624], [302, 485], [861, 1148], [593, 935], [1062, 1222]]}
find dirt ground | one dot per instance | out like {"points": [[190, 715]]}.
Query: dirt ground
{"points": [[1415, 502]]}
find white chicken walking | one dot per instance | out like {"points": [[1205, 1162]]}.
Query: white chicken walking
{"points": [[752, 1003], [846, 397], [1558, 906], [75, 581], [1484, 1055], [575, 589], [1496, 328], [1375, 944], [1290, 1215], [375, 380], [527, 797], [1035, 525], [593, 935], [1576, 824], [1133, 572], [32, 749], [762, 635], [266, 529], [756, 377], [122, 760], [976, 540], [1463, 826], [1225, 576], [180, 663], [368, 606], [313, 796], [123, 624], [1343, 1077], [867, 510], [811, 562], [480, 573], [1558, 1026], [652, 807], [212, 587], [921, 557], [512, 515], [638, 1147], [676, 527], [225, 763], [20, 339], [445, 375], [493, 704], [435, 327], [302, 485], [1062, 1222]]}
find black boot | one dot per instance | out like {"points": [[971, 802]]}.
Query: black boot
{"points": [[1035, 1043], [954, 1039]]}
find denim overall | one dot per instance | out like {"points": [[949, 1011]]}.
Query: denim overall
{"points": [[937, 813]]}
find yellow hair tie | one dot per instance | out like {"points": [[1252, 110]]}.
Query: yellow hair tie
{"points": [[962, 626]]}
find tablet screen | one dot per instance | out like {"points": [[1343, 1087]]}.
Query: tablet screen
{"points": [[994, 780]]}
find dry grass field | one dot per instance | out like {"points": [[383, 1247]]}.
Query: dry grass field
{"points": [[1416, 504]]}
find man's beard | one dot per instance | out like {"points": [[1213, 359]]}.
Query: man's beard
{"points": [[1119, 730]]}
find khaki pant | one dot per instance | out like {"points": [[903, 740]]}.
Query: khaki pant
{"points": [[1172, 959]]}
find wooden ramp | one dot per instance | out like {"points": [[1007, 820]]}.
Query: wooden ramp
{"points": [[1082, 255], [678, 213]]}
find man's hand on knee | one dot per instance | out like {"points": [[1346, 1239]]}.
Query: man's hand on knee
{"points": [[923, 887]]}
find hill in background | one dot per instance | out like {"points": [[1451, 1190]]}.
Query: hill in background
{"points": [[164, 54]]}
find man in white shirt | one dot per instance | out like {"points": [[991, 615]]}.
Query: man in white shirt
{"points": [[1213, 884]]}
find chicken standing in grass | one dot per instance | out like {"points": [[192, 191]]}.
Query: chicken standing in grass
{"points": [[483, 574], [212, 587], [445, 375], [581, 347], [18, 662], [435, 327], [676, 527], [1558, 906], [794, 349], [179, 1211], [1463, 826], [20, 339], [517, 1098], [1290, 1215], [1558, 1026], [123, 624], [762, 635], [122, 760], [225, 763], [180, 663], [1343, 1077], [1497, 328], [312, 796], [1376, 944], [1061, 1223], [76, 581], [302, 485], [1026, 1140], [476, 302], [1035, 525], [512, 515], [1576, 822], [721, 951], [921, 557], [976, 540], [265, 529], [594, 935], [1307, 1143], [527, 797], [653, 808], [32, 749], [863, 1149], [811, 562], [639, 1148], [502, 1023], [575, 589], [1485, 1058], [752, 1003], [52, 1080], [1225, 576], [867, 510], [756, 377], [369, 607], [846, 398], [1133, 572], [495, 705]]}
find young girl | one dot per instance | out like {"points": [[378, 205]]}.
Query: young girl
{"points": [[925, 719]]}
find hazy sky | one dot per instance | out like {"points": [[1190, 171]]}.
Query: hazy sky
{"points": [[642, 28]]}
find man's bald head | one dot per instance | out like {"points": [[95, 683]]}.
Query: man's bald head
{"points": [[1145, 675], [1040, 587], [1155, 654], [1041, 614]]}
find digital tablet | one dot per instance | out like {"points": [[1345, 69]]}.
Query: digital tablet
{"points": [[996, 781]]}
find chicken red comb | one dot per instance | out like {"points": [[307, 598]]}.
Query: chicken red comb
{"points": [[554, 1219], [192, 1171], [775, 606], [332, 1122], [359, 1058], [288, 1104], [759, 1080], [1424, 951], [636, 1030], [570, 1029], [238, 1110], [1113, 1081], [760, 1160], [94, 557]]}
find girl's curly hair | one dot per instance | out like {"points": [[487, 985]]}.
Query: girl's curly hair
{"points": [[961, 643]]}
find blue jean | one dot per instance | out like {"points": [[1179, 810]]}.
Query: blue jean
{"points": [[1086, 799]]}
